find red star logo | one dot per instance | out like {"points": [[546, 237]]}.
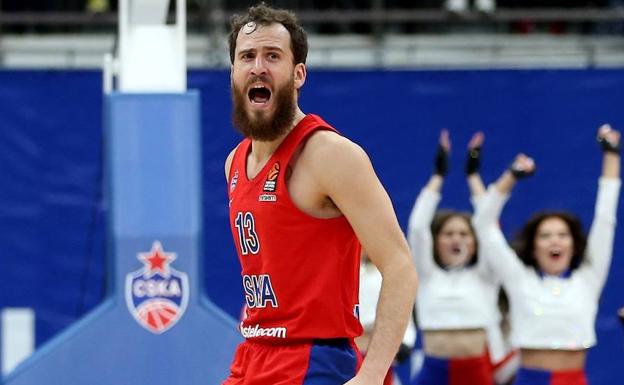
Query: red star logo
{"points": [[157, 260]]}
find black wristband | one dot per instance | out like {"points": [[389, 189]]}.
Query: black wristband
{"points": [[441, 162], [608, 146], [519, 173], [403, 354], [473, 161]]}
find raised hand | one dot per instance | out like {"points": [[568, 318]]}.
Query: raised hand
{"points": [[473, 160], [441, 161], [522, 166], [609, 139]]}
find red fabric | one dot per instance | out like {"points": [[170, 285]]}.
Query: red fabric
{"points": [[300, 273], [389, 377], [259, 364], [471, 371], [569, 377], [505, 360]]}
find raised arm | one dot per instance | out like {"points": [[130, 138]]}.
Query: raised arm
{"points": [[344, 173], [600, 241], [521, 167], [492, 243], [419, 228], [419, 225], [473, 165]]}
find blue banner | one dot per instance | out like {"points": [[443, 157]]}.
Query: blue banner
{"points": [[53, 216]]}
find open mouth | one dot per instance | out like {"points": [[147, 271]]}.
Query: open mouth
{"points": [[555, 254], [259, 94]]}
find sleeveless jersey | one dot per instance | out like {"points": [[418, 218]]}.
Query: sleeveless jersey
{"points": [[300, 274]]}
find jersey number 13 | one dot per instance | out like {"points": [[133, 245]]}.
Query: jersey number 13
{"points": [[247, 237]]}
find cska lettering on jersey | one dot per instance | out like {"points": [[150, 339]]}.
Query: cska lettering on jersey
{"points": [[259, 291]]}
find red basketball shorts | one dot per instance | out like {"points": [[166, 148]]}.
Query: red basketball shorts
{"points": [[318, 362]]}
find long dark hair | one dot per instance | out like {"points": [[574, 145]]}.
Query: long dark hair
{"points": [[524, 242], [439, 220]]}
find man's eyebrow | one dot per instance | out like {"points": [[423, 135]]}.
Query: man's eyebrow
{"points": [[273, 48], [266, 48], [244, 51]]}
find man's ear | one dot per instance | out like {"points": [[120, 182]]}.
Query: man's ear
{"points": [[300, 75]]}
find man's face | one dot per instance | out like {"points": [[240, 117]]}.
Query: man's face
{"points": [[264, 82]]}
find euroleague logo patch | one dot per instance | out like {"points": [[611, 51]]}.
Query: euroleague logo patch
{"points": [[270, 184], [157, 295]]}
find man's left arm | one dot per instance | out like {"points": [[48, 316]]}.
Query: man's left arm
{"points": [[345, 173]]}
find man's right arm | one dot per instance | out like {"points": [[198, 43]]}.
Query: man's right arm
{"points": [[228, 164]]}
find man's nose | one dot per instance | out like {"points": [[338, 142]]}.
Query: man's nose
{"points": [[259, 67]]}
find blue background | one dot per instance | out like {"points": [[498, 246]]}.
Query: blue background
{"points": [[53, 216]]}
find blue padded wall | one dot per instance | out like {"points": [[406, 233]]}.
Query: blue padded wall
{"points": [[155, 326], [52, 218]]}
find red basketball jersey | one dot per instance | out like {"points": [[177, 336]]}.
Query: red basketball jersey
{"points": [[300, 273]]}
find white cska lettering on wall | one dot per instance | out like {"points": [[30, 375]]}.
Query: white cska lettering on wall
{"points": [[152, 288]]}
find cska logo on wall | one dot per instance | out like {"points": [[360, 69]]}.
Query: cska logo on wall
{"points": [[157, 294]]}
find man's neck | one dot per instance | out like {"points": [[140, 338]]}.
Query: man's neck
{"points": [[261, 151]]}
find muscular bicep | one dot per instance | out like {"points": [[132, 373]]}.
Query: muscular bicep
{"points": [[350, 182]]}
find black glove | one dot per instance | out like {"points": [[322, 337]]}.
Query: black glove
{"points": [[441, 162], [519, 173], [621, 315], [473, 161], [403, 354], [608, 146]]}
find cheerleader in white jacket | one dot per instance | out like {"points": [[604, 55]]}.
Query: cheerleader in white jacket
{"points": [[457, 298], [555, 275]]}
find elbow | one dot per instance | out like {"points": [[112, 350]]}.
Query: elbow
{"points": [[481, 221], [476, 220], [400, 271], [410, 277]]}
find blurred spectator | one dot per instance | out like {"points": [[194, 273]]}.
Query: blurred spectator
{"points": [[43, 5], [341, 6], [555, 27], [487, 6], [552, 3], [97, 6]]}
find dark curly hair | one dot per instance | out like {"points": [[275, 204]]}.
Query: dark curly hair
{"points": [[439, 220], [524, 242], [262, 14]]}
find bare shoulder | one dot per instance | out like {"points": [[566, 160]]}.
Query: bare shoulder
{"points": [[327, 147], [335, 162], [228, 163]]}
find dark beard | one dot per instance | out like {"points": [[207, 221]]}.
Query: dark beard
{"points": [[259, 125]]}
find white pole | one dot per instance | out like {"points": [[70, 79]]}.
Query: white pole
{"points": [[108, 72], [18, 337], [181, 29]]}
